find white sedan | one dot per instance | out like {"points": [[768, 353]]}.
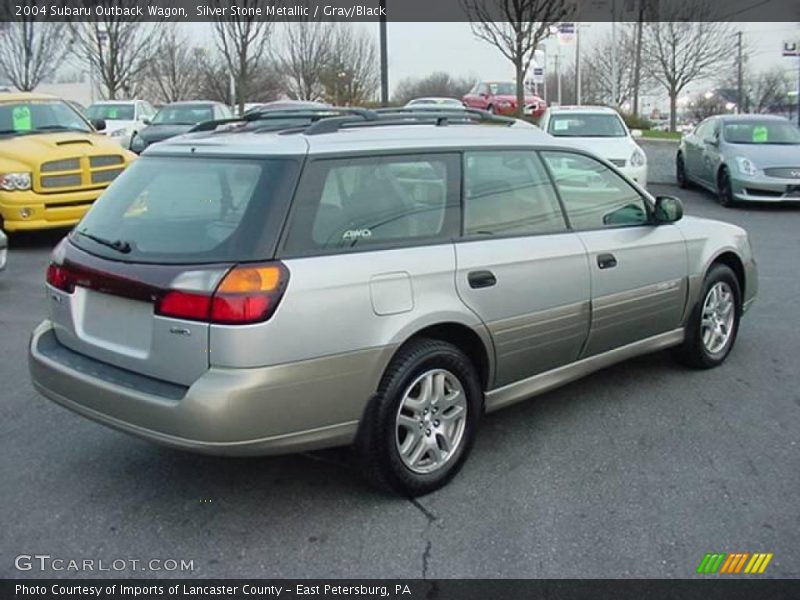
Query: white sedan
{"points": [[602, 131], [124, 118]]}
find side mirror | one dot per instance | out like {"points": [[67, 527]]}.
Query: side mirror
{"points": [[637, 133], [146, 121], [668, 209], [99, 124], [711, 141]]}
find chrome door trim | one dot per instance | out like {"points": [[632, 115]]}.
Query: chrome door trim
{"points": [[532, 386]]}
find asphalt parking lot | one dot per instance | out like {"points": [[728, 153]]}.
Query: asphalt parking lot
{"points": [[636, 471]]}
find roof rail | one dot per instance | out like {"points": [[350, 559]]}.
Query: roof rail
{"points": [[466, 113], [312, 114], [403, 116]]}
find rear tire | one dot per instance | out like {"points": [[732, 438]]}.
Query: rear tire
{"points": [[714, 322], [420, 426], [490, 109]]}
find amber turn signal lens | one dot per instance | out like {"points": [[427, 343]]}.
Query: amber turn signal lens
{"points": [[243, 280]]}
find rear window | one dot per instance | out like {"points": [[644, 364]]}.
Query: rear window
{"points": [[198, 210]]}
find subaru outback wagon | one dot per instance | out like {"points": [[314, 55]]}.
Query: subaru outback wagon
{"points": [[374, 281]]}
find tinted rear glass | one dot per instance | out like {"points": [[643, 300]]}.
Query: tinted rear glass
{"points": [[190, 210]]}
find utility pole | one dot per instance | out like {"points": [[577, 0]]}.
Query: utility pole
{"points": [[384, 57], [614, 65], [577, 63], [637, 59], [558, 74], [739, 82]]}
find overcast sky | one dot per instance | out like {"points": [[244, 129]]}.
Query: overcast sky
{"points": [[417, 49]]}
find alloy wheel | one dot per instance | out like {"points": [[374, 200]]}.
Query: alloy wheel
{"points": [[716, 326]]}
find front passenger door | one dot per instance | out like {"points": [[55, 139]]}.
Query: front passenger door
{"points": [[638, 270]]}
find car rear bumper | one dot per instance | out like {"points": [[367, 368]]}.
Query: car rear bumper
{"points": [[761, 188], [270, 410], [24, 211]]}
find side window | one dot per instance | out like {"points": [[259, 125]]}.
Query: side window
{"points": [[508, 192], [351, 203], [593, 195]]}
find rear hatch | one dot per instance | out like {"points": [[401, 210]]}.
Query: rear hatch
{"points": [[132, 284]]}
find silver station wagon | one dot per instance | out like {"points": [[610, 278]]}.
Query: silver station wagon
{"points": [[375, 279]]}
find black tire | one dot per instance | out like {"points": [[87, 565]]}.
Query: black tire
{"points": [[490, 109], [724, 189], [680, 172], [378, 436], [694, 352]]}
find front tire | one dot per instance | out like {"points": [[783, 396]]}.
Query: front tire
{"points": [[421, 424], [714, 323], [680, 172], [724, 188]]}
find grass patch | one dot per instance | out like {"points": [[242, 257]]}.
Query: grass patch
{"points": [[661, 135]]}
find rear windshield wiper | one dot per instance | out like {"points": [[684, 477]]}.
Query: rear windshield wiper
{"points": [[118, 245]]}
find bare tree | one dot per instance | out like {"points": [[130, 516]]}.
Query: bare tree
{"points": [[601, 80], [304, 58], [351, 75], [436, 84], [679, 53], [516, 28], [769, 90], [175, 71], [116, 48], [31, 50], [243, 43]]}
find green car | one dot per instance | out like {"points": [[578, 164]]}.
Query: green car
{"points": [[753, 158]]}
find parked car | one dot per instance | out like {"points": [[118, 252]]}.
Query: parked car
{"points": [[754, 158], [601, 130], [53, 162], [124, 118], [284, 105], [500, 97], [176, 119], [435, 102], [3, 250], [374, 284]]}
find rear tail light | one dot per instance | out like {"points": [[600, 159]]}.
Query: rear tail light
{"points": [[60, 278], [247, 294]]}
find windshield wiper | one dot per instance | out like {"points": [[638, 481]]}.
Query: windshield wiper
{"points": [[118, 245]]}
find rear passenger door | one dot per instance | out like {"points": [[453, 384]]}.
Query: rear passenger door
{"points": [[638, 269], [518, 267]]}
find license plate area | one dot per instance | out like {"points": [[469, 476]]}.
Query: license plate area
{"points": [[119, 324]]}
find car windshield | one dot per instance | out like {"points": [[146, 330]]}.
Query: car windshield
{"points": [[184, 114], [111, 112], [761, 132], [586, 125], [503, 89], [179, 210], [39, 116]]}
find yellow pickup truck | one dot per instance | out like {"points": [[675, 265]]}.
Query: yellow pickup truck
{"points": [[53, 163]]}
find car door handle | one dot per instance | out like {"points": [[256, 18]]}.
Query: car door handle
{"points": [[481, 279], [606, 261]]}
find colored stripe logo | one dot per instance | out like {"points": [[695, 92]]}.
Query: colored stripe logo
{"points": [[734, 563]]}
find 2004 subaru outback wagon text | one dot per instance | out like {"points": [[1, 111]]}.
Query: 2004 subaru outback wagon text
{"points": [[246, 292]]}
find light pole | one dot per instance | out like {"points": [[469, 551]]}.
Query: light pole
{"points": [[384, 56]]}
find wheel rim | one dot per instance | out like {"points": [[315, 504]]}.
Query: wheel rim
{"points": [[719, 313], [431, 421]]}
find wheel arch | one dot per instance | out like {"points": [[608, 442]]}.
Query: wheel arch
{"points": [[734, 262], [476, 346]]}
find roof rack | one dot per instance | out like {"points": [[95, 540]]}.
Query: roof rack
{"points": [[312, 114], [329, 120]]}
